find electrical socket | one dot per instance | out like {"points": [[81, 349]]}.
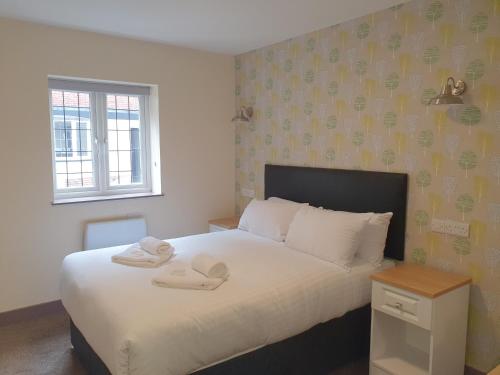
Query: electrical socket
{"points": [[249, 193], [454, 228]]}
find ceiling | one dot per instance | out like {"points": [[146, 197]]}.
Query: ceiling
{"points": [[226, 26]]}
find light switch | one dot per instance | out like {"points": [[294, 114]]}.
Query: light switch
{"points": [[454, 228]]}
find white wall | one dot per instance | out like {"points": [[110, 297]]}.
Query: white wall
{"points": [[197, 146]]}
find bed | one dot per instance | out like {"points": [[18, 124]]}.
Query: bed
{"points": [[281, 312]]}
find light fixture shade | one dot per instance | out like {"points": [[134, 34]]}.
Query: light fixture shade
{"points": [[244, 114], [450, 93]]}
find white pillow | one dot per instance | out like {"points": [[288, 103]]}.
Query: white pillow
{"points": [[333, 236], [373, 244], [286, 201], [268, 219]]}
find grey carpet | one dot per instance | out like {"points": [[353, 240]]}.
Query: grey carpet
{"points": [[42, 346]]}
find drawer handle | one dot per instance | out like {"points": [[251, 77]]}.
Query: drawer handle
{"points": [[397, 305]]}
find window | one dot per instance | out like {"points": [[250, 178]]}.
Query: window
{"points": [[101, 139]]}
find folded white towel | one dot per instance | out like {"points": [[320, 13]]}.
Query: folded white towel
{"points": [[155, 246], [182, 277], [209, 266], [135, 256]]}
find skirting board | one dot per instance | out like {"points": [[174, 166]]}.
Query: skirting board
{"points": [[30, 312]]}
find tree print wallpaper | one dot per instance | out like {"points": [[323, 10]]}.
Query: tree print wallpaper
{"points": [[355, 96]]}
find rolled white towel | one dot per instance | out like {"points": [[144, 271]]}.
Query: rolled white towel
{"points": [[209, 266], [155, 246], [182, 277], [135, 256]]}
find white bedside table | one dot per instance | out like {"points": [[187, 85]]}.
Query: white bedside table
{"points": [[217, 225], [419, 321]]}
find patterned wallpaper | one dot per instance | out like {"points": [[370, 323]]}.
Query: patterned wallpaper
{"points": [[353, 96]]}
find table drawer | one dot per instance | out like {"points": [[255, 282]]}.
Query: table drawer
{"points": [[402, 304]]}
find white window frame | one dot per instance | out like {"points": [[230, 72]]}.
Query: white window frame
{"points": [[100, 146]]}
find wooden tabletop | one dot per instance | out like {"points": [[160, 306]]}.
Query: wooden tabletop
{"points": [[226, 222], [426, 281]]}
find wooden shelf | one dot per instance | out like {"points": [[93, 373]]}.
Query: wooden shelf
{"points": [[397, 365], [426, 281], [226, 223]]}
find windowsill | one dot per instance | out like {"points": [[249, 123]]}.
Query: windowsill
{"points": [[100, 198]]}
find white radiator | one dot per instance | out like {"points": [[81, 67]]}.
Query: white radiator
{"points": [[115, 232]]}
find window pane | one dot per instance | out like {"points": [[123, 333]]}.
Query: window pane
{"points": [[124, 140], [71, 124]]}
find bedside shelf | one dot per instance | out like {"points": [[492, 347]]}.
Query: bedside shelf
{"points": [[397, 365]]}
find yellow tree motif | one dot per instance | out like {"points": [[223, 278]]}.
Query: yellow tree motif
{"points": [[407, 19], [317, 60], [292, 142], [342, 71], [275, 98], [366, 159], [344, 35], [440, 120], [274, 154], [315, 125], [370, 86], [433, 242], [496, 6], [339, 141], [371, 47], [316, 94], [340, 106], [294, 112], [402, 100], [367, 122], [477, 273], [488, 94], [258, 88], [492, 45], [485, 141], [295, 81], [447, 31], [443, 74], [480, 187], [295, 50], [437, 162], [404, 63], [436, 201], [477, 232], [400, 141], [313, 157]]}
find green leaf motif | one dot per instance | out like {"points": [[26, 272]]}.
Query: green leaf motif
{"points": [[287, 95], [269, 112], [269, 84], [330, 155], [308, 108], [419, 256], [474, 71], [251, 177], [333, 88], [360, 67], [388, 157], [331, 122], [427, 95], [426, 138], [359, 103], [269, 139], [421, 218], [363, 30], [390, 119], [307, 139], [310, 44], [434, 12], [251, 151], [237, 139], [309, 76], [394, 42], [423, 179], [285, 154], [287, 124], [237, 63], [467, 160], [270, 56], [392, 81], [358, 138], [288, 65], [253, 74], [464, 203], [479, 23], [334, 55], [470, 116], [237, 90], [462, 246], [431, 55]]}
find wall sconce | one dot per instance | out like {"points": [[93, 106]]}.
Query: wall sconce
{"points": [[450, 93], [244, 114]]}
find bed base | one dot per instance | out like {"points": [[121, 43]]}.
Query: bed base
{"points": [[318, 350]]}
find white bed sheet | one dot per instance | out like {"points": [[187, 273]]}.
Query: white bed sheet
{"points": [[273, 293]]}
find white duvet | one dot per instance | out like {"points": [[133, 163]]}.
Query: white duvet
{"points": [[273, 293]]}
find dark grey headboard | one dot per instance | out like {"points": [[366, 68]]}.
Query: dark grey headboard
{"points": [[346, 190]]}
